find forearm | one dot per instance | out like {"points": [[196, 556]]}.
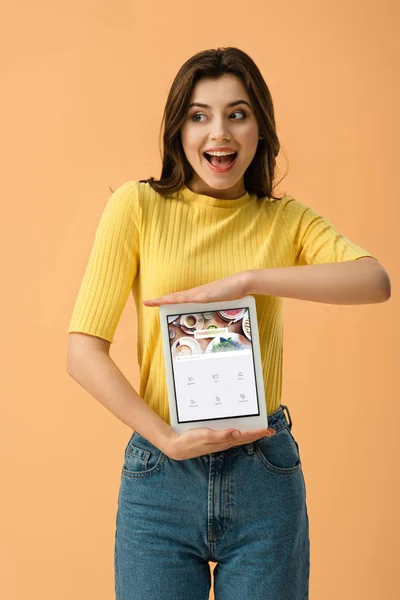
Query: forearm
{"points": [[349, 282], [98, 374]]}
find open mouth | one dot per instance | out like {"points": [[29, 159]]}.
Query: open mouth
{"points": [[220, 161]]}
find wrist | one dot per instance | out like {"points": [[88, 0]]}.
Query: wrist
{"points": [[248, 279], [169, 437]]}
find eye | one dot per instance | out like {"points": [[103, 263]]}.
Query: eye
{"points": [[241, 112]]}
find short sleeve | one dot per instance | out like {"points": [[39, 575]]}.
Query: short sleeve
{"points": [[315, 239], [112, 266]]}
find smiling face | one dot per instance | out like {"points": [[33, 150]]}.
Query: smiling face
{"points": [[219, 125]]}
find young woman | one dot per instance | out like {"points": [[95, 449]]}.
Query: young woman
{"points": [[210, 229]]}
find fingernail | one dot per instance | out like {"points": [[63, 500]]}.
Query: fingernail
{"points": [[235, 433]]}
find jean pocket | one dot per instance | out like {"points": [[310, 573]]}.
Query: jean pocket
{"points": [[141, 457], [279, 453]]}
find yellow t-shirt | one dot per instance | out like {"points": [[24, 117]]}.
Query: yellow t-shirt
{"points": [[153, 246]]}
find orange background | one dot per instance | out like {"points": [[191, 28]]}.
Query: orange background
{"points": [[83, 87]]}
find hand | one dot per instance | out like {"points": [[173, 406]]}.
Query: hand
{"points": [[229, 288], [203, 440]]}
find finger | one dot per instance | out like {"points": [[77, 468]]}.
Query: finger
{"points": [[269, 431], [166, 297], [247, 437], [255, 434], [243, 437], [158, 301]]}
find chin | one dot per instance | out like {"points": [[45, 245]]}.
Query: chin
{"points": [[221, 186]]}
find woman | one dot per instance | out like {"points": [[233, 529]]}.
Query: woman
{"points": [[210, 229]]}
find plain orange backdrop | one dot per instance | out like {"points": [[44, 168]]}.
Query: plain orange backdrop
{"points": [[83, 88]]}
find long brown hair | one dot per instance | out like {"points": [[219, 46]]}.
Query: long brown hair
{"points": [[176, 170]]}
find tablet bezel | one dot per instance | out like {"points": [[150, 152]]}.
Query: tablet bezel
{"points": [[245, 423]]}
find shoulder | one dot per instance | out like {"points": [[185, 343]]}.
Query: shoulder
{"points": [[292, 210], [286, 208], [125, 198], [290, 204], [125, 191], [122, 208]]}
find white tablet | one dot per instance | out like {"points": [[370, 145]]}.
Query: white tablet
{"points": [[213, 365]]}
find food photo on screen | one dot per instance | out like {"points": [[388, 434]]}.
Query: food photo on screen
{"points": [[194, 334]]}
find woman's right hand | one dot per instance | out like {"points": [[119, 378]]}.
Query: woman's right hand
{"points": [[203, 440]]}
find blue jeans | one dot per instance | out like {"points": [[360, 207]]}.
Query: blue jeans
{"points": [[243, 508]]}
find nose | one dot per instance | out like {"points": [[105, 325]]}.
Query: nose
{"points": [[220, 130]]}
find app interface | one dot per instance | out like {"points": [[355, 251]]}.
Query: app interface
{"points": [[213, 365]]}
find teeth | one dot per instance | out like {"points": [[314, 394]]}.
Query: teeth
{"points": [[219, 153]]}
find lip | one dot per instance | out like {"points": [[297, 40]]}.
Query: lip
{"points": [[221, 149], [221, 169]]}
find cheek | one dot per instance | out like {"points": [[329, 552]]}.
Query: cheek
{"points": [[249, 143], [191, 141], [249, 135]]}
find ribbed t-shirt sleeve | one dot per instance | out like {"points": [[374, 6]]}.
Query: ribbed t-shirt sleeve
{"points": [[315, 239], [112, 266]]}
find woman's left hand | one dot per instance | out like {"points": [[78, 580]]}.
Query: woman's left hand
{"points": [[229, 288]]}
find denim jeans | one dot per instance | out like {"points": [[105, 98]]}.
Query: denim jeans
{"points": [[243, 508]]}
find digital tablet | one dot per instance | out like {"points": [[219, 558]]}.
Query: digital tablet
{"points": [[213, 365]]}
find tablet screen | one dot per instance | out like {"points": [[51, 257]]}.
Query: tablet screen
{"points": [[213, 365]]}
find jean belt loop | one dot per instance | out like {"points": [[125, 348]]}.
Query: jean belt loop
{"points": [[288, 413]]}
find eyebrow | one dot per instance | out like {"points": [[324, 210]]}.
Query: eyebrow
{"points": [[228, 105]]}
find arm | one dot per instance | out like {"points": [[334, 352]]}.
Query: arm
{"points": [[89, 363], [111, 270], [361, 281]]}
